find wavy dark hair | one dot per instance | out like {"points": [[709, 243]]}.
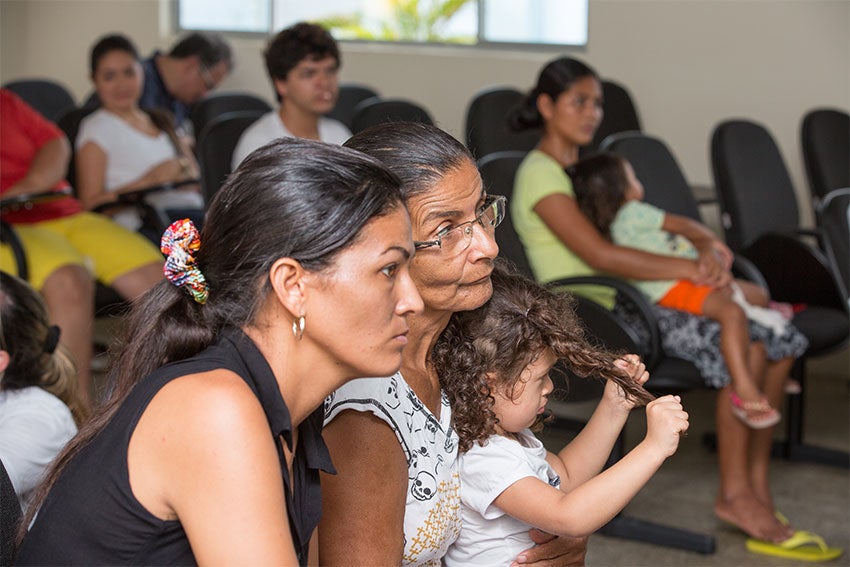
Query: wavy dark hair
{"points": [[501, 338], [556, 77], [600, 184], [34, 357], [421, 155], [292, 198], [296, 43]]}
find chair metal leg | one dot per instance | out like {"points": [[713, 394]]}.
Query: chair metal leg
{"points": [[793, 448], [636, 529]]}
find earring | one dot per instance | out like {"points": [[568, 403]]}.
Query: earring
{"points": [[298, 327]]}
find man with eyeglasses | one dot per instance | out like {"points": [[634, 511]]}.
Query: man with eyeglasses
{"points": [[193, 67], [303, 64]]}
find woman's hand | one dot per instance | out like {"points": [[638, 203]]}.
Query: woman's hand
{"points": [[632, 365], [666, 422], [552, 551], [712, 266]]}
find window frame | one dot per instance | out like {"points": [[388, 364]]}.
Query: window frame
{"points": [[481, 44]]}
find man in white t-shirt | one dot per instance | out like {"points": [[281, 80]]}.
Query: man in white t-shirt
{"points": [[303, 64]]}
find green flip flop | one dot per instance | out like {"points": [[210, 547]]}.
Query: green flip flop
{"points": [[802, 546]]}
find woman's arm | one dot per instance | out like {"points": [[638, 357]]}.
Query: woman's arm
{"points": [[589, 506], [564, 218], [703, 239], [203, 453], [47, 168], [363, 504], [91, 163]]}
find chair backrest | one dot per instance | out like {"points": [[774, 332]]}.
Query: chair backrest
{"points": [[218, 103], [379, 110], [10, 517], [215, 147], [753, 185], [350, 95], [620, 114], [487, 128], [835, 224], [498, 171], [655, 166], [48, 97], [825, 141]]}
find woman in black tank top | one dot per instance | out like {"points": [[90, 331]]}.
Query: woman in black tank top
{"points": [[208, 446]]}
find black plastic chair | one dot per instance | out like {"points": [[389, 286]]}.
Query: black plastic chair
{"points": [[760, 220], [487, 128], [825, 141], [667, 374], [833, 220], [379, 110], [350, 95], [215, 147], [219, 103], [10, 518], [48, 97], [620, 114], [665, 187]]}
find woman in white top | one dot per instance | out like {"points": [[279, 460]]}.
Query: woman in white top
{"points": [[39, 404], [122, 148]]}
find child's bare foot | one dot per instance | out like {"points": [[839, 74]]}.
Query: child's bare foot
{"points": [[757, 414], [753, 518]]}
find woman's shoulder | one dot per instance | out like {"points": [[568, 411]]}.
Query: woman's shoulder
{"points": [[99, 117], [97, 126], [538, 176]]}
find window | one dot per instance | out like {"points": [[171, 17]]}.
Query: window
{"points": [[459, 22]]}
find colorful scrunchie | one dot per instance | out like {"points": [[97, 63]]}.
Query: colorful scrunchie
{"points": [[179, 243]]}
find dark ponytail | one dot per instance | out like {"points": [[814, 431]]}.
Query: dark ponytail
{"points": [[556, 77]]}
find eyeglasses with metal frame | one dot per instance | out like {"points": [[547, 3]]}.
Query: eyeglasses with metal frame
{"points": [[456, 239]]}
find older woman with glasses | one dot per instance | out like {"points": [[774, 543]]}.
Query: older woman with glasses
{"points": [[395, 497]]}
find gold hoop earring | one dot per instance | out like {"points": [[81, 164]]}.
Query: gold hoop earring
{"points": [[298, 327]]}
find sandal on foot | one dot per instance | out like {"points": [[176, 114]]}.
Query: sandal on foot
{"points": [[792, 387], [757, 415], [802, 546]]}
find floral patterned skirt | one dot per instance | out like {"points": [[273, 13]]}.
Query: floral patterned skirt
{"points": [[697, 339]]}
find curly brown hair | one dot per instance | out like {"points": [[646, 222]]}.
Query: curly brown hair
{"points": [[520, 321], [600, 185]]}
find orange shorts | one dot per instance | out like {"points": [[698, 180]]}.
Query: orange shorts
{"points": [[686, 296]]}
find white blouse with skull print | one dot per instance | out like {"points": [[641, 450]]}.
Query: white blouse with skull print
{"points": [[432, 511]]}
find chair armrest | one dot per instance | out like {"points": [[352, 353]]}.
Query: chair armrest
{"points": [[137, 195], [743, 268], [136, 198], [601, 320], [28, 200]]}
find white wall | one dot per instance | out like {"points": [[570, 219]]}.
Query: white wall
{"points": [[688, 63]]}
